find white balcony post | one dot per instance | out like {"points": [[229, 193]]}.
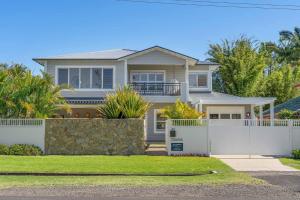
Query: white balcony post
{"points": [[187, 79], [125, 73], [272, 113], [261, 115], [200, 107], [184, 92]]}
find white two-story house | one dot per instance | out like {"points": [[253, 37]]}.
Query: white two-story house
{"points": [[160, 75]]}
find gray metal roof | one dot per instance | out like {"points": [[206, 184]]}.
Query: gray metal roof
{"points": [[112, 54], [107, 54], [292, 104]]}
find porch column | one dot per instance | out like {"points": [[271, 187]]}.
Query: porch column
{"points": [[261, 115], [252, 112], [272, 113], [187, 79], [125, 73]]}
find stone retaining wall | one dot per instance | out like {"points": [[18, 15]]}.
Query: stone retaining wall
{"points": [[94, 136]]}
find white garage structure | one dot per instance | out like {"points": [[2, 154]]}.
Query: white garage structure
{"points": [[223, 106]]}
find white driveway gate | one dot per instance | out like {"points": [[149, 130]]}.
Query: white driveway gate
{"points": [[243, 137]]}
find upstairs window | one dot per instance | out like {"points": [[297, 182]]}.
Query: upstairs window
{"points": [[86, 78], [147, 77], [198, 80]]}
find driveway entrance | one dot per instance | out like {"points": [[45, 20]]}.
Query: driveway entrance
{"points": [[254, 163]]}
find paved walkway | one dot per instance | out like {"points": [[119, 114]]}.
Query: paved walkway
{"points": [[254, 163]]}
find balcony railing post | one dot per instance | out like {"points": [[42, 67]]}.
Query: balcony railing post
{"points": [[157, 89]]}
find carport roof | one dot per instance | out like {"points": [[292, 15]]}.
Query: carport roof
{"points": [[221, 98]]}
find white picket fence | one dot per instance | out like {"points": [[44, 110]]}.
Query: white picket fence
{"points": [[233, 137], [22, 131]]}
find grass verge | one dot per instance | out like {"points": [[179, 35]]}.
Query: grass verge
{"points": [[291, 162], [145, 181], [116, 165]]}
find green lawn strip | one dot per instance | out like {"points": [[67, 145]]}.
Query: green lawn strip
{"points": [[44, 181], [111, 164], [291, 162]]}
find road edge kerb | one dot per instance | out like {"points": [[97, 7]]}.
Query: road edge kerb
{"points": [[99, 174]]}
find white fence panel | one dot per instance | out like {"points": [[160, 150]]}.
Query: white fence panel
{"points": [[22, 131], [192, 137], [296, 137], [272, 140], [235, 137], [229, 140]]}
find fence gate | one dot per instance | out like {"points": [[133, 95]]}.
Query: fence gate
{"points": [[243, 137]]}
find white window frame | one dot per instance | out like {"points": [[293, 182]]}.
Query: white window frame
{"points": [[86, 66], [155, 121], [132, 72], [208, 80], [224, 110]]}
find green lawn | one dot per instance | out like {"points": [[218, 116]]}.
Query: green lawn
{"points": [[118, 164], [291, 162], [111, 164], [211, 179]]}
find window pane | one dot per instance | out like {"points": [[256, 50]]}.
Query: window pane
{"points": [[96, 78], [152, 77], [143, 77], [107, 78], [160, 126], [236, 116], [202, 80], [85, 78], [159, 117], [135, 77], [62, 76], [74, 77], [225, 116], [193, 80], [160, 77], [214, 116]]}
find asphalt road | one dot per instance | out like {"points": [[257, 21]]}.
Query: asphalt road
{"points": [[283, 186]]}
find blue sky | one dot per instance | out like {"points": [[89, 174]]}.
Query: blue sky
{"points": [[35, 28]]}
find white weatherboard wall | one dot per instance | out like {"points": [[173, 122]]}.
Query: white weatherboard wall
{"points": [[247, 137], [22, 132]]}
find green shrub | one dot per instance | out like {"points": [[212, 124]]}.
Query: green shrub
{"points": [[125, 103], [296, 154], [4, 149], [181, 110], [286, 114], [25, 150]]}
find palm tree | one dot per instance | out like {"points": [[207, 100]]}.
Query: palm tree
{"points": [[288, 48]]}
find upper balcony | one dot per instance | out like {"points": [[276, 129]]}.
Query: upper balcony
{"points": [[157, 89], [162, 92]]}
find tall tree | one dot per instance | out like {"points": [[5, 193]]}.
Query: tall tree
{"points": [[242, 66], [23, 95], [280, 83], [287, 49]]}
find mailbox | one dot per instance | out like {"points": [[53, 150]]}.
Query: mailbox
{"points": [[172, 133]]}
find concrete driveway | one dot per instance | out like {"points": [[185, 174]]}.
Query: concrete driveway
{"points": [[254, 163]]}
